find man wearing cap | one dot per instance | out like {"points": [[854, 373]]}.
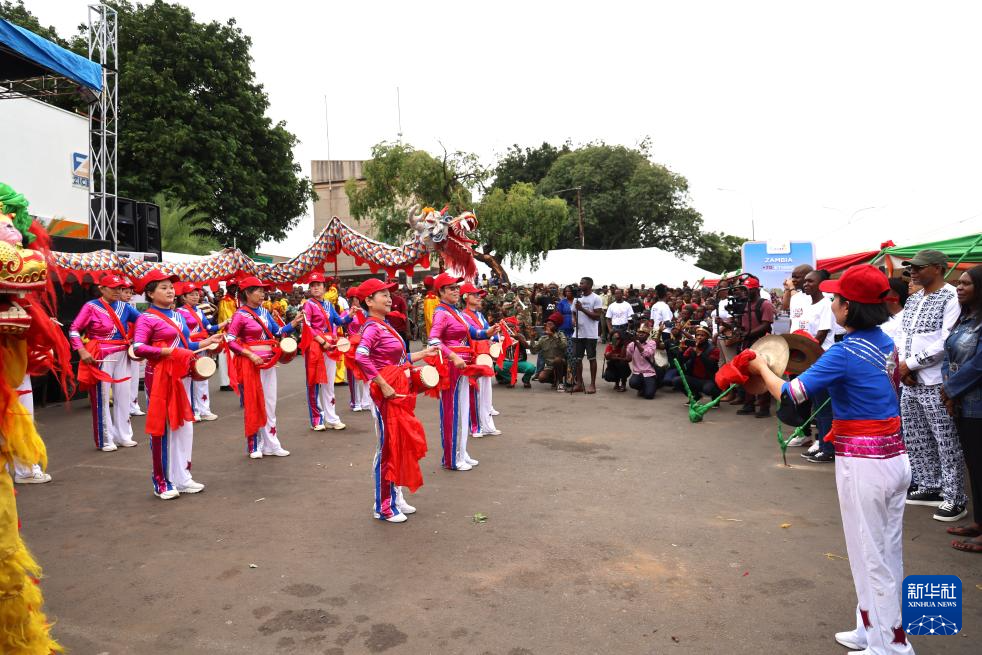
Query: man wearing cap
{"points": [[451, 333], [700, 362], [756, 323], [320, 336], [929, 431], [482, 421], [641, 359], [551, 351], [103, 361], [226, 307], [252, 336], [189, 297]]}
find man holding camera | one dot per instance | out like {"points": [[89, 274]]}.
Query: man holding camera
{"points": [[641, 358], [587, 310], [758, 315], [551, 350]]}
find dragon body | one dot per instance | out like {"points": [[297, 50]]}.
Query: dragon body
{"points": [[432, 232]]}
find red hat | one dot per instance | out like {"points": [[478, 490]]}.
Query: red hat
{"points": [[354, 291], [373, 285], [444, 280], [467, 287], [156, 275], [752, 283], [251, 281], [187, 287], [128, 283], [865, 284], [317, 276], [112, 280], [556, 318], [428, 281]]}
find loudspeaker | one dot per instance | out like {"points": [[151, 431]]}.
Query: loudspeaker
{"points": [[148, 228], [126, 233]]}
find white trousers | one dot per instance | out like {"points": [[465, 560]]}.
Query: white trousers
{"points": [[200, 397], [112, 424], [360, 397], [171, 454], [872, 495], [135, 368], [21, 469], [266, 439], [320, 397], [485, 422], [223, 370]]}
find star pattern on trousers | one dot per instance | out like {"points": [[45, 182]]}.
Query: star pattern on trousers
{"points": [[204, 397], [272, 432], [866, 622], [899, 636]]}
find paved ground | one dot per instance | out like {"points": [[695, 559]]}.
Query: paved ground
{"points": [[614, 526]]}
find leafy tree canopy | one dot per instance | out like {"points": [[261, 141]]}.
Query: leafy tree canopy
{"points": [[719, 252], [526, 164], [519, 224], [183, 228]]}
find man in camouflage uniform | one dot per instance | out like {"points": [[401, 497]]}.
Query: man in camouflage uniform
{"points": [[523, 310]]}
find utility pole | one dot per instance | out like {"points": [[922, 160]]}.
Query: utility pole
{"points": [[579, 209]]}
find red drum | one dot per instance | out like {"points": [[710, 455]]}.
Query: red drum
{"points": [[495, 349], [482, 347], [342, 344], [131, 352], [203, 368], [288, 346]]}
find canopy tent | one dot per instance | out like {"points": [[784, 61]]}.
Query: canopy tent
{"points": [[964, 251], [26, 56], [841, 263], [622, 267]]}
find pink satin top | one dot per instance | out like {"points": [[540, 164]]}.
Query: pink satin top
{"points": [[378, 348]]}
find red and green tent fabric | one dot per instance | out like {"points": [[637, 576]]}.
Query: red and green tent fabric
{"points": [[963, 252]]}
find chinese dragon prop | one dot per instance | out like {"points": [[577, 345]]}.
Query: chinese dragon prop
{"points": [[432, 232], [30, 342]]}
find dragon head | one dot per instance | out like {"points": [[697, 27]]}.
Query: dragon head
{"points": [[21, 270], [447, 235]]}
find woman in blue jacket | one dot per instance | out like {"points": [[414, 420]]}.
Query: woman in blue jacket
{"points": [[962, 395]]}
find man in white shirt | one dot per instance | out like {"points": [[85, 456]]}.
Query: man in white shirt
{"points": [[929, 431], [586, 330], [795, 299], [619, 312], [660, 311]]}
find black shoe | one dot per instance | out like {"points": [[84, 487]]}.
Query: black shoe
{"points": [[746, 409], [821, 457], [928, 497], [225, 387], [764, 413], [950, 512]]}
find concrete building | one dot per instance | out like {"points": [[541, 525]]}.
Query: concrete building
{"points": [[329, 177]]}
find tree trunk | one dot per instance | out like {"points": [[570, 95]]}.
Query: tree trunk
{"points": [[493, 264]]}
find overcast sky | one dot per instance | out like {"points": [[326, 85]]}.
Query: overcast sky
{"points": [[807, 112]]}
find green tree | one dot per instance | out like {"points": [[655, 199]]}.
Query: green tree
{"points": [[398, 176], [193, 122], [628, 201], [526, 164], [719, 252], [518, 224], [183, 228]]}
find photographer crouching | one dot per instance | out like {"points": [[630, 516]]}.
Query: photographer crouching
{"points": [[641, 353], [700, 361]]}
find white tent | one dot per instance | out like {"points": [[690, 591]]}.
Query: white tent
{"points": [[636, 266]]}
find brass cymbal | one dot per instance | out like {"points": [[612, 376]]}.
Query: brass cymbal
{"points": [[776, 353], [804, 352]]}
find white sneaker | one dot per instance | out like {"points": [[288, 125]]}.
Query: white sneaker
{"points": [[137, 412], [108, 448], [850, 640], [494, 412], [799, 442], [319, 428], [167, 495], [813, 448], [197, 418], [128, 444], [366, 408], [398, 518], [256, 455], [337, 426], [209, 417], [478, 435], [38, 477], [279, 453], [470, 460], [405, 508], [191, 487], [496, 431], [464, 466]]}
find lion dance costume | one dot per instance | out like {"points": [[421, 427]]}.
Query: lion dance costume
{"points": [[30, 342]]}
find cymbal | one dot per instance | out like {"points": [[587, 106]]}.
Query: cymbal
{"points": [[776, 353], [804, 352]]}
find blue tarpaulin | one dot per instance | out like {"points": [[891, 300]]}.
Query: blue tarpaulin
{"points": [[24, 54]]}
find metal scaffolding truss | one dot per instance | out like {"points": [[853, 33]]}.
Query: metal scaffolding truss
{"points": [[104, 124]]}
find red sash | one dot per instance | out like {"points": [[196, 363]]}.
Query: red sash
{"points": [[116, 323], [253, 314], [314, 361], [90, 375], [405, 440], [169, 404], [453, 312], [180, 333]]}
